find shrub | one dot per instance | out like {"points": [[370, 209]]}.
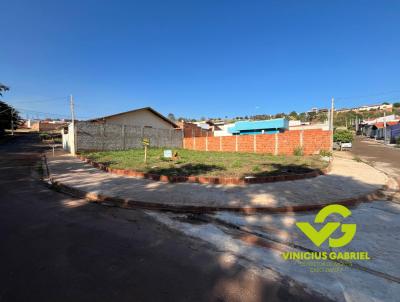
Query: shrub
{"points": [[325, 153], [44, 135], [298, 151], [344, 136], [256, 169]]}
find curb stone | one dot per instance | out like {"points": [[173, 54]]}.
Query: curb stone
{"points": [[130, 203]]}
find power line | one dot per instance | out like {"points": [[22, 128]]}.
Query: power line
{"points": [[52, 100], [66, 116]]}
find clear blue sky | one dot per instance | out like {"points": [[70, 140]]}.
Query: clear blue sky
{"points": [[199, 58]]}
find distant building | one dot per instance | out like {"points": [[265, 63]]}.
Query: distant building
{"points": [[317, 110], [299, 125], [224, 130], [44, 125], [386, 107], [194, 130], [207, 125], [342, 110], [260, 127]]}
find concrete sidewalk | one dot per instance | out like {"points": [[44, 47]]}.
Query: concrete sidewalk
{"points": [[348, 180]]}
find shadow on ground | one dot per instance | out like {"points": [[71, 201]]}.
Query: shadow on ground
{"points": [[58, 248]]}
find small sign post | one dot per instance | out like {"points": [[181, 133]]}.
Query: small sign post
{"points": [[145, 142], [168, 153]]}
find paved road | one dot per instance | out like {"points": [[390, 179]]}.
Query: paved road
{"points": [[55, 248], [383, 157]]}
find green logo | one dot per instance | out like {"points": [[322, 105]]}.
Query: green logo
{"points": [[319, 237]]}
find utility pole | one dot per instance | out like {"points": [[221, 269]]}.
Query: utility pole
{"points": [[71, 101], [384, 126], [331, 121], [12, 121], [332, 110]]}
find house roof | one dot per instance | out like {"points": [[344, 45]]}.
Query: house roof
{"points": [[382, 125], [258, 125], [135, 110]]}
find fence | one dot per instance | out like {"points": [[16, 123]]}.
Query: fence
{"points": [[311, 142], [106, 137]]}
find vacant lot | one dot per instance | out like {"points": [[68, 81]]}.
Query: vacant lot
{"points": [[190, 162]]}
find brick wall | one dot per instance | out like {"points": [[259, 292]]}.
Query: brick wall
{"points": [[311, 141]]}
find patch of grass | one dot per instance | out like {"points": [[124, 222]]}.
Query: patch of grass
{"points": [[189, 162], [357, 159], [236, 164]]}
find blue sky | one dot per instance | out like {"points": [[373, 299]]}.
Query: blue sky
{"points": [[198, 58]]}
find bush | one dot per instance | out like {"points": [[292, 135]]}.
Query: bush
{"points": [[325, 153], [343, 136], [298, 151], [44, 135]]}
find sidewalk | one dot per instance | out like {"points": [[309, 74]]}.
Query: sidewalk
{"points": [[348, 182]]}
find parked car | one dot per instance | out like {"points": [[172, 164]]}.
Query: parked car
{"points": [[346, 146], [342, 146]]}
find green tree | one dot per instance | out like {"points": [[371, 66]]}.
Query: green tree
{"points": [[303, 117], [293, 115], [344, 136], [171, 116], [396, 105], [311, 116], [3, 88], [8, 115], [322, 117]]}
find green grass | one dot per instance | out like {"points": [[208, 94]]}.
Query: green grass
{"points": [[227, 164]]}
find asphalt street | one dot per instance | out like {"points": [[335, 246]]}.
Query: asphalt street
{"points": [[57, 248]]}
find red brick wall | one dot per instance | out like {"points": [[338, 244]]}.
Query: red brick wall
{"points": [[213, 143], [289, 141], [312, 141]]}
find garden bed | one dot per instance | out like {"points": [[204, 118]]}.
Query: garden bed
{"points": [[207, 167]]}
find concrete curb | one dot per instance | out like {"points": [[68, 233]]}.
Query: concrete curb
{"points": [[207, 180], [129, 203]]}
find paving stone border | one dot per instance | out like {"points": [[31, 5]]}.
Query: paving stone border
{"points": [[130, 203], [205, 179]]}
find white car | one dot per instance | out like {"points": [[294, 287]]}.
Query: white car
{"points": [[346, 145]]}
